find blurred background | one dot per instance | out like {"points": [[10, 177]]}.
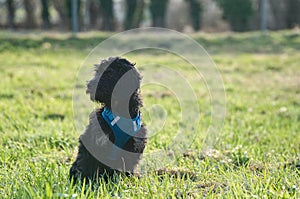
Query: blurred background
{"points": [[181, 15]]}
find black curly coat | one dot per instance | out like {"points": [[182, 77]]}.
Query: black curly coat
{"points": [[100, 88]]}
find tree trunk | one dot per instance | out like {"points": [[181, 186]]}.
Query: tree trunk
{"points": [[195, 13], [30, 17], [87, 14], [60, 8], [158, 11], [237, 13], [138, 15], [278, 14], [45, 13], [90, 14], [11, 10], [94, 9], [134, 13], [64, 9], [293, 17], [130, 10], [107, 14]]}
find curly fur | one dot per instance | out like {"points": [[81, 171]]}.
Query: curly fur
{"points": [[100, 89]]}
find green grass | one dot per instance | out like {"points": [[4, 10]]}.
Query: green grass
{"points": [[258, 153]]}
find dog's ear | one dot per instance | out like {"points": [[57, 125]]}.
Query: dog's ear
{"points": [[93, 83]]}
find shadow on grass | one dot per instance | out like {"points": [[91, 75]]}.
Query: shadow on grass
{"points": [[6, 96], [234, 43], [252, 43], [54, 116], [49, 43]]}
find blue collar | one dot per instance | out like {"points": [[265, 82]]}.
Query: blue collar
{"points": [[123, 128]]}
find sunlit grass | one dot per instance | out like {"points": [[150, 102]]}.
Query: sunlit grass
{"points": [[257, 154]]}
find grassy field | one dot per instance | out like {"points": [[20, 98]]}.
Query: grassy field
{"points": [[257, 155]]}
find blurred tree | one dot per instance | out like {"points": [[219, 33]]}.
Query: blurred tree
{"points": [[278, 14], [195, 13], [134, 13], [64, 10], [237, 13], [45, 13], [11, 10], [158, 10], [59, 6], [68, 7], [283, 14], [87, 14], [30, 21], [293, 13], [94, 9], [107, 15]]}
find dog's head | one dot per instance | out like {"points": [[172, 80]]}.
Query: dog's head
{"points": [[116, 83]]}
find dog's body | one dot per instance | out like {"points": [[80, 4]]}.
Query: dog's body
{"points": [[94, 154]]}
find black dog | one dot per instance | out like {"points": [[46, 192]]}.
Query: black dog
{"points": [[115, 139]]}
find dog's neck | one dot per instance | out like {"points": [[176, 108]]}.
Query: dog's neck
{"points": [[125, 109], [124, 112]]}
